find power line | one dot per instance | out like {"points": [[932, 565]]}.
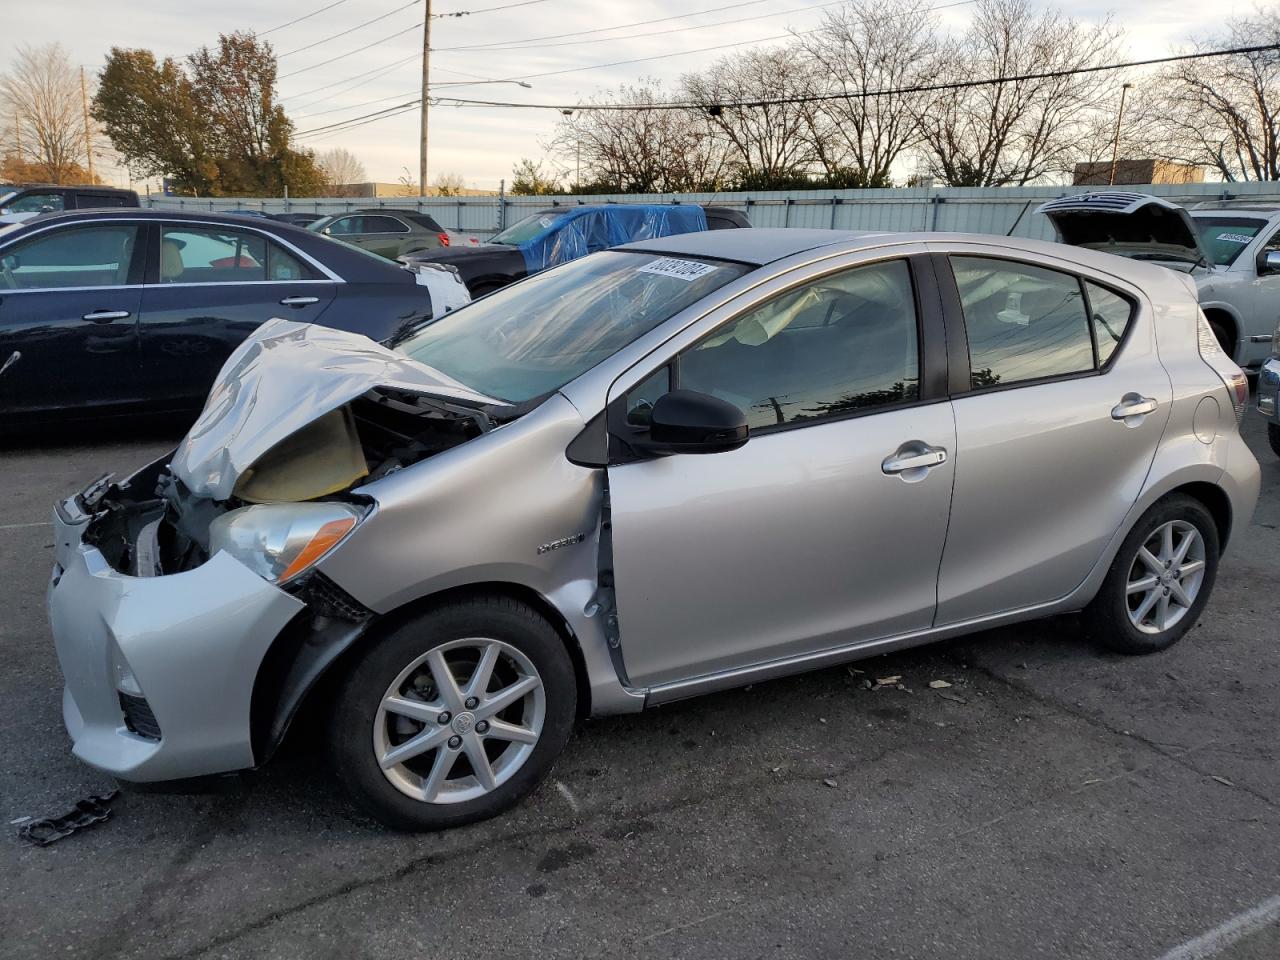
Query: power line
{"points": [[350, 53], [305, 16], [659, 33], [385, 68], [616, 26], [896, 91], [467, 13], [343, 33]]}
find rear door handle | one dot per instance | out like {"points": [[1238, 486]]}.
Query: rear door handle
{"points": [[1133, 405], [106, 316], [299, 301], [913, 457]]}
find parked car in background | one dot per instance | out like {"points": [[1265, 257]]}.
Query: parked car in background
{"points": [[297, 219], [246, 212], [388, 233], [22, 203], [111, 312], [560, 234], [1231, 251], [1269, 393], [674, 467]]}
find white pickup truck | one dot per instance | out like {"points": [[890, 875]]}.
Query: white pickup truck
{"points": [[1231, 250]]}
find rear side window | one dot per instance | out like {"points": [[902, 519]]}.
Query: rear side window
{"points": [[97, 256], [211, 256], [1023, 322], [104, 200], [382, 225]]}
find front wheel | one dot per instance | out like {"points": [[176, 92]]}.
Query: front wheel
{"points": [[1160, 580], [455, 715], [1273, 437]]}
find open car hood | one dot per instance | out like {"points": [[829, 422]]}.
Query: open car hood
{"points": [[1134, 225], [282, 378]]}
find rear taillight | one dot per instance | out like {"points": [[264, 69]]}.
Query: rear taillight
{"points": [[444, 239], [1232, 376]]}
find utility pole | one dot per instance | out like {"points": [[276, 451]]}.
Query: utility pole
{"points": [[88, 142], [426, 83], [1115, 141]]}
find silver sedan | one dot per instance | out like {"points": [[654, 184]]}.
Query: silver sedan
{"points": [[674, 467]]}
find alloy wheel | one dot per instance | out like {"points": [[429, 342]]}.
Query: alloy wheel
{"points": [[459, 721], [1165, 577]]}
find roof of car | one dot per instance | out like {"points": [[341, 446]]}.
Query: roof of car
{"points": [[349, 262], [756, 246]]}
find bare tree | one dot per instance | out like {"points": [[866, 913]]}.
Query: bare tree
{"points": [[1026, 127], [638, 150], [1224, 112], [449, 185], [341, 170], [43, 112], [872, 52], [767, 141]]}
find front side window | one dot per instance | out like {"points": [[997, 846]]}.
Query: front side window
{"points": [[344, 226], [838, 345], [96, 256], [1223, 238], [524, 230], [1023, 322], [199, 255], [529, 339], [37, 203]]}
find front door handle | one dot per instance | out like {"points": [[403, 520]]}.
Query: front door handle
{"points": [[913, 460], [106, 316], [1133, 405], [299, 301]]}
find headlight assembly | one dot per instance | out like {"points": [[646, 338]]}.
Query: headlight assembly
{"points": [[278, 541]]}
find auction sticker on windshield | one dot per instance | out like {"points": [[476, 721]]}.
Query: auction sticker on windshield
{"points": [[680, 269]]}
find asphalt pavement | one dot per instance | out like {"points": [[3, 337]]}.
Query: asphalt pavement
{"points": [[1054, 802]]}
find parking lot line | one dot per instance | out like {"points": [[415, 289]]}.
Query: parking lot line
{"points": [[20, 526], [1212, 942]]}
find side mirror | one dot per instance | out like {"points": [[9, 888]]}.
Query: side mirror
{"points": [[685, 421], [1269, 262]]}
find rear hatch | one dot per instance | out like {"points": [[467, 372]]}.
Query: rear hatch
{"points": [[1134, 225]]}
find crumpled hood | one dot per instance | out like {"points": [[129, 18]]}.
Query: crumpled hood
{"points": [[284, 376]]}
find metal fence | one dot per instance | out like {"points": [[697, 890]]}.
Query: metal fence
{"points": [[996, 210]]}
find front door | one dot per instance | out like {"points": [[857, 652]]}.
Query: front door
{"points": [[1066, 403], [69, 301], [826, 528]]}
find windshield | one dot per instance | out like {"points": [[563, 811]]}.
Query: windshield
{"points": [[1224, 237], [535, 336], [526, 229]]}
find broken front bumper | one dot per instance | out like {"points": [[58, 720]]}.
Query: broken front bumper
{"points": [[187, 645]]}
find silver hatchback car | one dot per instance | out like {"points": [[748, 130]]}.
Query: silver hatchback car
{"points": [[673, 467]]}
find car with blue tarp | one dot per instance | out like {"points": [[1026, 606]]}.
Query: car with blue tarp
{"points": [[558, 235]]}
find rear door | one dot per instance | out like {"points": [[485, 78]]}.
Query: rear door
{"points": [[69, 301], [1060, 401], [210, 287]]}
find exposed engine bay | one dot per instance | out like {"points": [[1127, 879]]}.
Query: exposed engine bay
{"points": [[153, 524]]}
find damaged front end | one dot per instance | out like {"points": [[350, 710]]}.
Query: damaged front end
{"points": [[188, 614]]}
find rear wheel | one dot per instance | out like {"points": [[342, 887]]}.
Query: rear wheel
{"points": [[1160, 580], [1273, 437], [455, 716]]}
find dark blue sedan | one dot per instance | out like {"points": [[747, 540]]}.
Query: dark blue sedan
{"points": [[117, 312]]}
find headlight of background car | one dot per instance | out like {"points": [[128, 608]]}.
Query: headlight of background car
{"points": [[280, 540]]}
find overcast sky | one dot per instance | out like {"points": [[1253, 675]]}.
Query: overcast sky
{"points": [[480, 143]]}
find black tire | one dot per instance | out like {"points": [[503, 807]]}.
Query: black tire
{"points": [[358, 699], [1273, 437], [1107, 618]]}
